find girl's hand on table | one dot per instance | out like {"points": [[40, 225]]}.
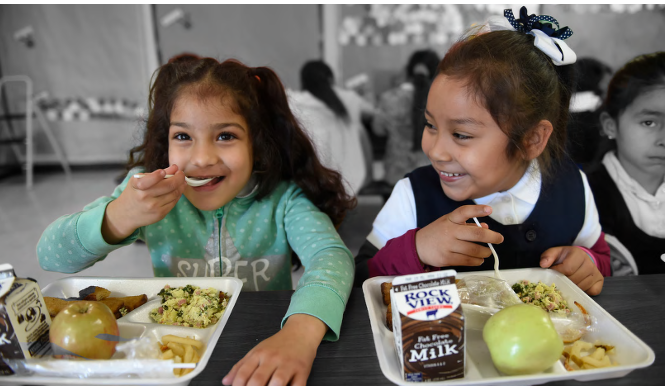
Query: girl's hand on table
{"points": [[576, 265], [451, 241], [143, 202], [284, 358]]}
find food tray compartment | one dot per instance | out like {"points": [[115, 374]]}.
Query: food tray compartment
{"points": [[631, 352], [138, 323]]}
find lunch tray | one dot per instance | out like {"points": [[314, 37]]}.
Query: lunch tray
{"points": [[138, 323], [630, 351]]}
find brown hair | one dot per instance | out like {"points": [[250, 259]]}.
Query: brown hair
{"points": [[519, 86], [281, 149]]}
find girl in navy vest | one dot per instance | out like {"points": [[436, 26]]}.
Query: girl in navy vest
{"points": [[628, 183], [495, 129]]}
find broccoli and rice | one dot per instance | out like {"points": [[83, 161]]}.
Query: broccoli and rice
{"points": [[190, 306], [546, 297]]}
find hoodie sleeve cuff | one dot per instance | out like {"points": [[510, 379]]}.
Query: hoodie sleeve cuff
{"points": [[322, 303], [89, 232]]}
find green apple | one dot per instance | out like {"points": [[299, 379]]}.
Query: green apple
{"points": [[522, 340]]}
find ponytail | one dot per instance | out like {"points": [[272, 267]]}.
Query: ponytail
{"points": [[317, 78]]}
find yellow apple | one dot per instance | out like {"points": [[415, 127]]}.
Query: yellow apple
{"points": [[76, 330]]}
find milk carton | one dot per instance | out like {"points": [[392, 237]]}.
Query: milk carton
{"points": [[24, 319], [428, 325]]}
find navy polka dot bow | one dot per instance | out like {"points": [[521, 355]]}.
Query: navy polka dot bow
{"points": [[544, 23]]}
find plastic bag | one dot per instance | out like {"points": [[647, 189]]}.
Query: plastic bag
{"points": [[146, 347], [109, 368], [136, 358], [574, 325], [487, 292]]}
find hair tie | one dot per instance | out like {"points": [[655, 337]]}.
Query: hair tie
{"points": [[257, 78], [547, 38]]}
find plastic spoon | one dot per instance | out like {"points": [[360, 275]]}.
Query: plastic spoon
{"points": [[496, 258], [190, 181]]}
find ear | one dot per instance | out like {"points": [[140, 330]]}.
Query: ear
{"points": [[537, 138], [609, 125]]}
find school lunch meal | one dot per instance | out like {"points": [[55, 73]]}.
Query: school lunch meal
{"points": [[85, 327], [527, 326]]}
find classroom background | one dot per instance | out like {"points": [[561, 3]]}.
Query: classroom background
{"points": [[84, 71]]}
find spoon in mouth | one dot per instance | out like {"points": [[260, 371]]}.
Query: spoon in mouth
{"points": [[190, 181]]}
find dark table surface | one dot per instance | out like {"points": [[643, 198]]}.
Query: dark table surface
{"points": [[636, 302]]}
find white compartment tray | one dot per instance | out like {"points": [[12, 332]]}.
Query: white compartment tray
{"points": [[631, 352], [138, 323]]}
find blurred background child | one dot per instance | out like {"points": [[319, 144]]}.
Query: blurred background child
{"points": [[332, 118], [583, 134], [628, 183], [400, 117]]}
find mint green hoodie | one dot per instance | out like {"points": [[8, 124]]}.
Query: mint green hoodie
{"points": [[248, 239]]}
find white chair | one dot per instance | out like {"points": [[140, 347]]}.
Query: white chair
{"points": [[623, 263], [31, 109]]}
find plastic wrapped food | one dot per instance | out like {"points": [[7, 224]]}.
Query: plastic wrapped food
{"points": [[486, 291], [110, 368]]}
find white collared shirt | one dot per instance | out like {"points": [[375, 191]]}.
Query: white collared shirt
{"points": [[512, 206], [647, 211]]}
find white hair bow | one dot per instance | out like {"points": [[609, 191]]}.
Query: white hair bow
{"points": [[545, 29]]}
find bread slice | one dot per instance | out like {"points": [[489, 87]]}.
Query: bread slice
{"points": [[115, 304], [94, 293], [133, 302], [55, 305]]}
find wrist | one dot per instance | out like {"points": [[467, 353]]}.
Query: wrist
{"points": [[115, 226], [419, 251], [310, 328]]}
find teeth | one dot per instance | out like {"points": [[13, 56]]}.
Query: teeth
{"points": [[451, 174]]}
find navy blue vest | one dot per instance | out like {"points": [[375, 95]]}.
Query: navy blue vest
{"points": [[616, 220], [556, 219]]}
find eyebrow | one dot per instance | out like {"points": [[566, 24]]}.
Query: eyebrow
{"points": [[650, 112], [216, 126], [461, 121]]}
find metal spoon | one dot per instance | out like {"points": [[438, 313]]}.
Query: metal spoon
{"points": [[190, 181]]}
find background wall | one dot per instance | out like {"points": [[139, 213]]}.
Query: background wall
{"points": [[80, 51], [282, 37], [611, 33]]}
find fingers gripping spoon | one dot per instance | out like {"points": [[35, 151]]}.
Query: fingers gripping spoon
{"points": [[190, 181]]}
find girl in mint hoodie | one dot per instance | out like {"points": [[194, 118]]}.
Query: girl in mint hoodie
{"points": [[269, 196]]}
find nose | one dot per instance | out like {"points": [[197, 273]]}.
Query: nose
{"points": [[439, 150], [204, 154], [660, 142]]}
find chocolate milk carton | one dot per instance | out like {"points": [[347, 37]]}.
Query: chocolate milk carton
{"points": [[428, 325], [24, 319]]}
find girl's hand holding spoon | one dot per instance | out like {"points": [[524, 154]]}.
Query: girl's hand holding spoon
{"points": [[147, 200]]}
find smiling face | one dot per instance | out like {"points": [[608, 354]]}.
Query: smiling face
{"points": [[640, 136], [465, 145], [207, 139]]}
